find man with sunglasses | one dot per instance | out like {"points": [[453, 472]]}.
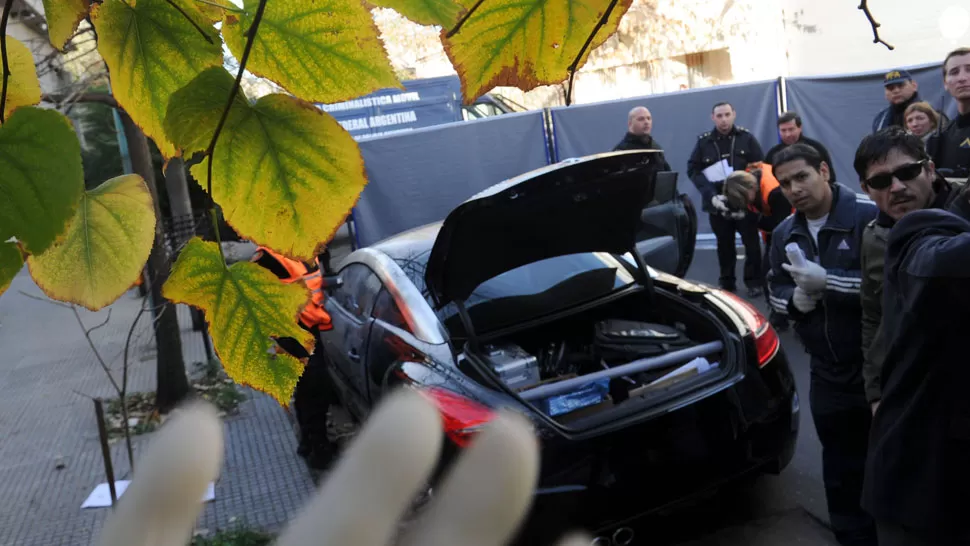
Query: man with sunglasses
{"points": [[819, 291], [897, 174]]}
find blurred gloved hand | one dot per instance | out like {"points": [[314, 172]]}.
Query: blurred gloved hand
{"points": [[811, 277], [803, 302], [480, 504], [719, 202], [737, 215]]}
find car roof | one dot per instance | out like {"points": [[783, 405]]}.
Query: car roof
{"points": [[408, 244]]}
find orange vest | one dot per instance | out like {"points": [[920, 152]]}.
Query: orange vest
{"points": [[313, 314], [768, 185]]}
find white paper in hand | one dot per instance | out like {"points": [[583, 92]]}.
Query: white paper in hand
{"points": [[718, 172], [795, 255]]}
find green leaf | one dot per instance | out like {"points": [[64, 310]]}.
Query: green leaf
{"points": [[152, 50], [23, 87], [285, 173], [443, 13], [63, 17], [245, 305], [11, 261], [106, 245], [321, 51], [41, 178], [526, 43]]}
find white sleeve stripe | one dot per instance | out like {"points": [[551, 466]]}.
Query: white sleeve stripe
{"points": [[843, 280], [837, 284]]}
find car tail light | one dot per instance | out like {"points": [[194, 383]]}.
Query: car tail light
{"points": [[766, 340], [461, 418]]}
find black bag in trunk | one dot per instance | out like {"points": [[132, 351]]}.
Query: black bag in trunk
{"points": [[622, 341]]}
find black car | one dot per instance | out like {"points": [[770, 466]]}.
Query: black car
{"points": [[537, 295]]}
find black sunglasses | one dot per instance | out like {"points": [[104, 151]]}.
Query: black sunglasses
{"points": [[904, 174]]}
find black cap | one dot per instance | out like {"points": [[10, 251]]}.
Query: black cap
{"points": [[896, 76]]}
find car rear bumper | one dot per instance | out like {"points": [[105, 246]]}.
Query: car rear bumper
{"points": [[668, 460]]}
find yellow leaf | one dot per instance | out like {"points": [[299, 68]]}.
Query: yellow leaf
{"points": [[106, 245], [63, 17], [41, 178], [152, 50], [245, 305], [11, 261], [443, 13], [285, 173], [321, 51], [526, 43], [23, 87], [213, 10]]}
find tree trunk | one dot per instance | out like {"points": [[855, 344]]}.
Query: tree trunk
{"points": [[172, 383], [178, 199]]}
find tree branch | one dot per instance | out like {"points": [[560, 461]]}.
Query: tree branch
{"points": [[3, 56], [190, 20], [87, 336], [864, 6], [250, 38], [579, 57], [464, 18], [103, 98]]}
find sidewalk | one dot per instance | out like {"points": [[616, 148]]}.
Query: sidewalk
{"points": [[47, 373]]}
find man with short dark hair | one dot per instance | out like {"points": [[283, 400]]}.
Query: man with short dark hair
{"points": [[718, 153], [819, 291], [951, 149], [790, 131], [639, 125], [901, 91]]}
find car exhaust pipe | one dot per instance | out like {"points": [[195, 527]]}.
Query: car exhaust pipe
{"points": [[623, 536], [601, 541]]}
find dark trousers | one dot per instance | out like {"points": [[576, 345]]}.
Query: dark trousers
{"points": [[891, 534], [312, 399], [842, 419], [724, 229]]}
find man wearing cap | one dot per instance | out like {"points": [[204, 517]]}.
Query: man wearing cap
{"points": [[901, 91]]}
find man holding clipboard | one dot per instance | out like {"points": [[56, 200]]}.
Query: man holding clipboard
{"points": [[719, 153]]}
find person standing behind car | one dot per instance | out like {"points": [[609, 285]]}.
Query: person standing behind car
{"points": [[718, 153], [790, 131], [757, 191], [951, 149], [821, 296], [638, 137], [895, 171], [901, 91]]}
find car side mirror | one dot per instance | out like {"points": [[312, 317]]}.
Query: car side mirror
{"points": [[332, 282]]}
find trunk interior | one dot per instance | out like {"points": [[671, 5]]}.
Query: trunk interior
{"points": [[568, 367]]}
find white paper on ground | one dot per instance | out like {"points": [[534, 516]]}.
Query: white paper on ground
{"points": [[101, 496], [718, 172]]}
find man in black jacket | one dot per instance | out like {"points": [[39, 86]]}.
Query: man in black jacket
{"points": [[790, 130], [821, 296], [917, 474], [718, 153], [951, 149], [639, 124], [901, 91]]}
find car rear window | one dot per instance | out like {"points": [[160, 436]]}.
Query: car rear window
{"points": [[532, 290]]}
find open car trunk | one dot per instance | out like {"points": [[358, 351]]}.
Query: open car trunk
{"points": [[614, 359]]}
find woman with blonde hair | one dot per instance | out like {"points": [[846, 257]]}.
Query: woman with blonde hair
{"points": [[921, 120]]}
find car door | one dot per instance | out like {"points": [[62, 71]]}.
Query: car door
{"points": [[391, 343], [668, 228], [346, 343]]}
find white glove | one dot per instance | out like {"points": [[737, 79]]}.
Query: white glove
{"points": [[719, 202], [482, 502], [803, 302], [811, 278], [737, 215]]}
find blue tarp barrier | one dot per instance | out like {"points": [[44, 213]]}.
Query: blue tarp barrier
{"points": [[838, 110], [678, 118], [418, 177]]}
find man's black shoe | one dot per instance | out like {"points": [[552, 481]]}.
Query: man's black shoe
{"points": [[303, 449], [755, 292], [322, 457]]}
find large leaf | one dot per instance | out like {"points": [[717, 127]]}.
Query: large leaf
{"points": [[152, 50], [245, 305], [23, 87], [106, 245], [41, 178], [285, 173], [321, 51], [526, 43], [443, 13], [11, 261], [63, 17]]}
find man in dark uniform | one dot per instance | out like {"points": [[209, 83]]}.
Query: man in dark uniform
{"points": [[790, 130], [901, 91], [951, 149], [718, 153], [820, 292], [639, 125]]}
